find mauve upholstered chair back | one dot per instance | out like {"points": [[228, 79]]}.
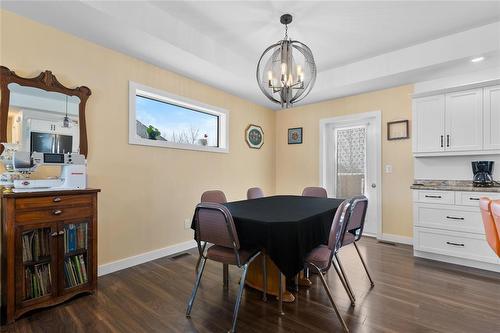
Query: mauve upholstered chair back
{"points": [[495, 211], [214, 224], [215, 196], [359, 206], [255, 193], [490, 212], [318, 192], [338, 227]]}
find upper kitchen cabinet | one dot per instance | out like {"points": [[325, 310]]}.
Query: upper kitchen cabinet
{"points": [[491, 103], [464, 121], [428, 124], [457, 122]]}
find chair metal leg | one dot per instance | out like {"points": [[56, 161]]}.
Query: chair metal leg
{"points": [[351, 297], [345, 276], [264, 271], [329, 293], [364, 265], [225, 275], [199, 258], [238, 299], [280, 295], [195, 288]]}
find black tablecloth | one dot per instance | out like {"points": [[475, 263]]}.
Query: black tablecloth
{"points": [[287, 227]]}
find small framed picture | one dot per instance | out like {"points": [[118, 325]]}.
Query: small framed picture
{"points": [[398, 130], [254, 136], [295, 136]]}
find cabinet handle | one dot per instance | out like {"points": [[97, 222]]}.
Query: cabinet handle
{"points": [[455, 218], [455, 244], [56, 199], [475, 199], [442, 140], [54, 234], [433, 196], [57, 212], [447, 140]]}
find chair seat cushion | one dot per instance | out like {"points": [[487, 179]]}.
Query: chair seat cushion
{"points": [[226, 255], [320, 257], [348, 239]]}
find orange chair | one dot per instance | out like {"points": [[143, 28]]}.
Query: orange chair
{"points": [[492, 235], [495, 211]]}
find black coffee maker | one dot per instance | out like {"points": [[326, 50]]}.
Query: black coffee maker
{"points": [[482, 173]]}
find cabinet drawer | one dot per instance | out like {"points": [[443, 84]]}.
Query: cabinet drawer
{"points": [[440, 197], [455, 244], [54, 201], [54, 214], [449, 218], [472, 198]]}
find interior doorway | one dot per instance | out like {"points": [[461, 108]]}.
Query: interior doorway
{"points": [[350, 153]]}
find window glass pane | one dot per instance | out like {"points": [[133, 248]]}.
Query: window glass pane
{"points": [[157, 120], [351, 161]]}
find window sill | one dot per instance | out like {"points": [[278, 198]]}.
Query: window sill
{"points": [[173, 145]]}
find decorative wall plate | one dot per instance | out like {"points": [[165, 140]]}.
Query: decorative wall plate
{"points": [[254, 136]]}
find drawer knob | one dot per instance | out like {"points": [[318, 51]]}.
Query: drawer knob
{"points": [[57, 212], [57, 199], [456, 244], [455, 218], [474, 199], [433, 196]]}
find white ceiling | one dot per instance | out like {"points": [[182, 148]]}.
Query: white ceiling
{"points": [[358, 46]]}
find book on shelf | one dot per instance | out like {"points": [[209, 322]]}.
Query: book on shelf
{"points": [[36, 244], [38, 281], [75, 237], [75, 270]]}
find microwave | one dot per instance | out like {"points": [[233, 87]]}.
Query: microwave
{"points": [[51, 143]]}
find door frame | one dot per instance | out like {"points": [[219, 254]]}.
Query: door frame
{"points": [[376, 116]]}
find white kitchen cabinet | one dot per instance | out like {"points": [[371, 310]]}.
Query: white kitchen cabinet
{"points": [[491, 101], [429, 121], [464, 120]]}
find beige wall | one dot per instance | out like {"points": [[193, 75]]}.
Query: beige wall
{"points": [[297, 166], [147, 192]]}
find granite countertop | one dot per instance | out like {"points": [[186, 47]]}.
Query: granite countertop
{"points": [[451, 185]]}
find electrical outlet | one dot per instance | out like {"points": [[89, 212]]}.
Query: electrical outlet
{"points": [[187, 224]]}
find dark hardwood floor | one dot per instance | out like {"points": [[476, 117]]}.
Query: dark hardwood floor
{"points": [[410, 295]]}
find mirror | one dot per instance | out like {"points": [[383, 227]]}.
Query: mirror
{"points": [[40, 114]]}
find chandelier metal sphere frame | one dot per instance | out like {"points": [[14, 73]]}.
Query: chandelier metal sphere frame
{"points": [[286, 71]]}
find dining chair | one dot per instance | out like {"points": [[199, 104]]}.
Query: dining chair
{"points": [[490, 212], [214, 224], [352, 234], [255, 193], [215, 196], [318, 192], [320, 259]]}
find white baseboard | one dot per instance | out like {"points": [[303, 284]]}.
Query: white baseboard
{"points": [[396, 239], [144, 257]]}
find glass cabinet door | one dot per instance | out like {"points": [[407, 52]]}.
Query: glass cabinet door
{"points": [[35, 262], [76, 245]]}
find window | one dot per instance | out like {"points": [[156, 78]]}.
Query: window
{"points": [[161, 119]]}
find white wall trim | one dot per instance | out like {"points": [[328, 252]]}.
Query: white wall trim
{"points": [[144, 257], [323, 123], [396, 239]]}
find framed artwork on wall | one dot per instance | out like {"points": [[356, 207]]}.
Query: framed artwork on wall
{"points": [[295, 136], [398, 130], [254, 136]]}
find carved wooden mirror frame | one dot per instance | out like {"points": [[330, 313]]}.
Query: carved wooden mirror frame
{"points": [[48, 82]]}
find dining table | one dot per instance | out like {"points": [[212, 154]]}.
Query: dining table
{"points": [[285, 228]]}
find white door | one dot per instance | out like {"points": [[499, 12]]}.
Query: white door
{"points": [[491, 118], [464, 120], [352, 149], [428, 113]]}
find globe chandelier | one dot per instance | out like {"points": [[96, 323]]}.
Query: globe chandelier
{"points": [[286, 71]]}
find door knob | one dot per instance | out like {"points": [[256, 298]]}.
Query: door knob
{"points": [[374, 185]]}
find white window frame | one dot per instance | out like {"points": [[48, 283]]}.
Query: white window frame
{"points": [[162, 96]]}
